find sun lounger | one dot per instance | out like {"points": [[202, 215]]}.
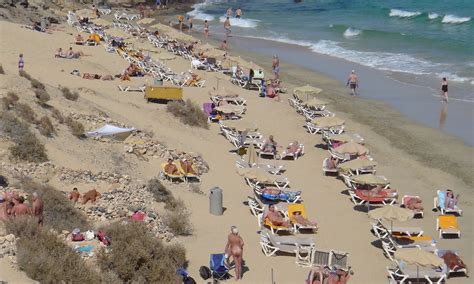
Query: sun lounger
{"points": [[359, 197], [455, 265], [255, 206], [447, 225], [405, 199], [402, 273], [293, 155], [132, 89], [271, 244], [171, 177], [399, 243], [439, 203], [266, 223], [381, 231], [327, 169], [292, 208]]}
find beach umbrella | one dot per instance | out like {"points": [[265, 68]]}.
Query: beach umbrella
{"points": [[240, 125], [391, 213], [357, 164], [257, 174], [252, 157], [229, 108], [369, 179], [314, 102], [344, 137], [351, 148], [327, 122], [419, 258], [307, 91]]}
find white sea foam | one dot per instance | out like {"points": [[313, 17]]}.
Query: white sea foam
{"points": [[197, 12], [433, 16], [452, 19], [351, 32], [402, 13], [243, 23], [453, 77]]}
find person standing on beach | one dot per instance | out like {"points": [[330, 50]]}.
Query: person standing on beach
{"points": [[235, 248], [353, 82], [21, 62], [229, 12], [190, 24], [37, 208], [206, 28], [444, 89], [227, 27], [276, 66], [238, 13]]}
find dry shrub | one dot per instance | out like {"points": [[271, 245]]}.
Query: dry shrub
{"points": [[72, 96], [1, 70], [59, 212], [77, 129], [42, 96], [26, 112], [160, 192], [177, 219], [136, 256], [23, 74], [189, 113], [57, 115], [47, 259], [37, 84], [45, 127]]}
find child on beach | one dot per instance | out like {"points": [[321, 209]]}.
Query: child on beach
{"points": [[21, 62]]}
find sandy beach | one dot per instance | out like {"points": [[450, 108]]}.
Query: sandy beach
{"points": [[416, 159]]}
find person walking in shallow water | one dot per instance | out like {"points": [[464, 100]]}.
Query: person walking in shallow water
{"points": [[353, 82], [444, 89]]}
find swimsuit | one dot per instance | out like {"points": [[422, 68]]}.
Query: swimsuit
{"points": [[444, 88], [21, 63]]}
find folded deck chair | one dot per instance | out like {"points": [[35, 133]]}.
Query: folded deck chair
{"points": [[132, 89], [292, 208], [447, 225], [326, 169], [439, 203], [405, 199], [218, 267], [171, 177], [293, 155], [403, 273], [360, 197], [455, 265], [271, 244]]}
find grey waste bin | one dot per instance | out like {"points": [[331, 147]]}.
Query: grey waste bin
{"points": [[215, 201]]}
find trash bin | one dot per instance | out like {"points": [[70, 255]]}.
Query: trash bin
{"points": [[215, 201]]}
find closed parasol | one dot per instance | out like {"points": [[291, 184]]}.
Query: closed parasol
{"points": [[351, 148], [327, 121], [252, 157]]}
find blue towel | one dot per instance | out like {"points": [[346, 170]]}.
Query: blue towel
{"points": [[85, 249], [441, 199]]}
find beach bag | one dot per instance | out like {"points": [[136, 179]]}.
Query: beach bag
{"points": [[205, 272]]}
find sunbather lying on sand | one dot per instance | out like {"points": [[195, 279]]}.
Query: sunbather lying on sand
{"points": [[74, 54], [276, 217], [171, 168], [300, 219], [59, 53], [414, 203], [91, 196], [91, 76]]}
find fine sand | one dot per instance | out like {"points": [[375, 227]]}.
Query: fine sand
{"points": [[342, 227]]}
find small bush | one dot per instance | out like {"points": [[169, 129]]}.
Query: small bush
{"points": [[59, 212], [57, 115], [42, 96], [45, 127], [47, 259], [30, 149], [189, 113], [1, 70], [77, 129], [37, 84], [136, 256], [26, 112], [72, 96], [177, 219], [23, 74], [160, 192]]}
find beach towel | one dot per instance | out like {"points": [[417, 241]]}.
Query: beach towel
{"points": [[85, 249], [441, 199], [284, 195]]}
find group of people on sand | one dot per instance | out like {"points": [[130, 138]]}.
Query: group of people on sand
{"points": [[92, 196], [13, 205], [186, 164], [70, 54]]}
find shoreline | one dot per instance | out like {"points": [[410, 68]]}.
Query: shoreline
{"points": [[443, 151]]}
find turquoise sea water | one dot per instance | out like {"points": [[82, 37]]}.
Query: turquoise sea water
{"points": [[427, 38]]}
